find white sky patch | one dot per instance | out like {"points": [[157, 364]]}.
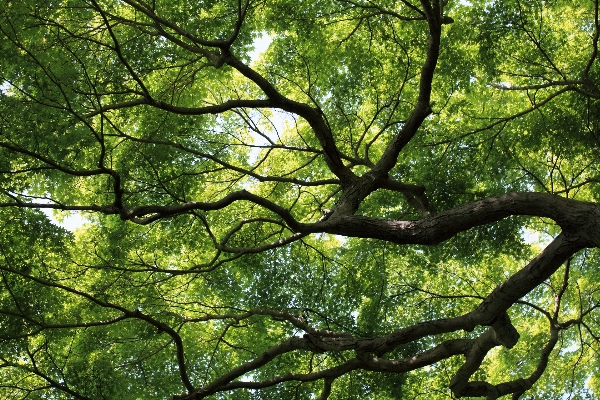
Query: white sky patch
{"points": [[4, 87], [535, 237], [261, 44], [71, 222]]}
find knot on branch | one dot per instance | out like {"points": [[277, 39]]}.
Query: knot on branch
{"points": [[313, 343], [320, 344], [446, 20], [506, 333]]}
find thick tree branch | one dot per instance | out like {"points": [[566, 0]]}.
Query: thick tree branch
{"points": [[570, 214]]}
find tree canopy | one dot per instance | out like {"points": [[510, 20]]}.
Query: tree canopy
{"points": [[284, 199]]}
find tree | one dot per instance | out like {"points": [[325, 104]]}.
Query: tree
{"points": [[397, 199]]}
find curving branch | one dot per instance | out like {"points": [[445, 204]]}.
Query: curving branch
{"points": [[572, 215], [369, 351]]}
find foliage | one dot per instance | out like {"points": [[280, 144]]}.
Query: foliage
{"points": [[395, 199]]}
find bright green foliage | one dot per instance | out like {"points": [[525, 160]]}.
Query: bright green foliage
{"points": [[353, 213]]}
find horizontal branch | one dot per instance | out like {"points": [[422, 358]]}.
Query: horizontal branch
{"points": [[575, 217], [571, 215], [210, 109]]}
